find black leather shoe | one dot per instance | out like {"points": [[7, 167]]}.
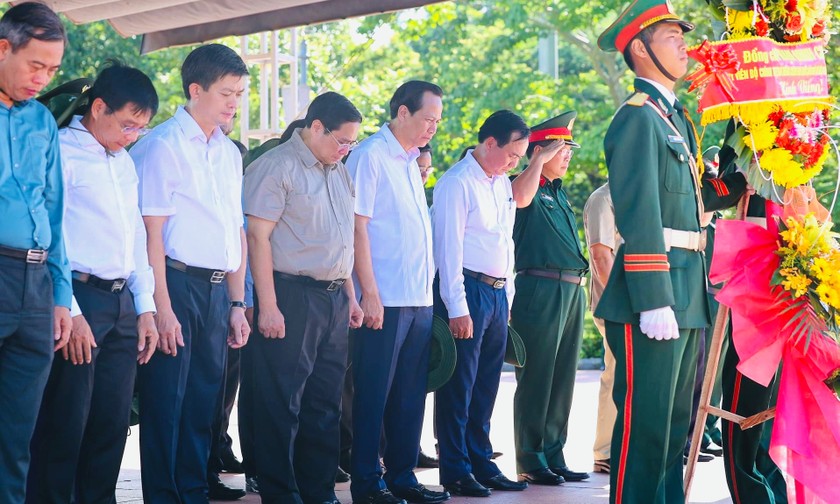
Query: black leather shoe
{"points": [[341, 475], [710, 449], [427, 461], [701, 457], [542, 476], [332, 501], [500, 482], [420, 495], [221, 492], [570, 475], [468, 487], [383, 496], [231, 465], [251, 485]]}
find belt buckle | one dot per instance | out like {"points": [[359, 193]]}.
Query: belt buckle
{"points": [[335, 285], [582, 282], [36, 256], [217, 277], [118, 285], [499, 283], [702, 240]]}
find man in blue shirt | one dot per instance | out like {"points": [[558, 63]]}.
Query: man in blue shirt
{"points": [[35, 287]]}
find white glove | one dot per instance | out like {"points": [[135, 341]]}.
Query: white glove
{"points": [[659, 324]]}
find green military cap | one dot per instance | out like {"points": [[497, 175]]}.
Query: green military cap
{"points": [[639, 15], [711, 159], [515, 350], [442, 356], [557, 128], [64, 100]]}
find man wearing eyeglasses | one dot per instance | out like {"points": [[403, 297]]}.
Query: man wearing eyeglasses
{"points": [[80, 436], [191, 199], [395, 270], [299, 203], [549, 305]]}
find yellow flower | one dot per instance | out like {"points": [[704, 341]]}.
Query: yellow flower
{"points": [[795, 281], [761, 136], [785, 170], [739, 21]]}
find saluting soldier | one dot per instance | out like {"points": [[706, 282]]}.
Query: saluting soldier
{"points": [[549, 307], [654, 304]]}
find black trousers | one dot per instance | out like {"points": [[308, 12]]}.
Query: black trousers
{"points": [[81, 432], [245, 406], [179, 395], [26, 352], [221, 448], [297, 395]]}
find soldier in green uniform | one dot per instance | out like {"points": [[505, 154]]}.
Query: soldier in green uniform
{"points": [[549, 305], [655, 301]]}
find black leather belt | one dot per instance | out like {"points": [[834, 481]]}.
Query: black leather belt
{"points": [[115, 286], [30, 256], [328, 285], [496, 283], [554, 275], [211, 275]]}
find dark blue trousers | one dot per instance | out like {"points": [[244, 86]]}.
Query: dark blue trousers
{"points": [[465, 403], [297, 395], [80, 436], [179, 395], [390, 370], [26, 352]]}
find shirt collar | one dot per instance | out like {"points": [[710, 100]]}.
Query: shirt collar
{"points": [[84, 137], [304, 153], [395, 148], [191, 128], [475, 168], [666, 93]]}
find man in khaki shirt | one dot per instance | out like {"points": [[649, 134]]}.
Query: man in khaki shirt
{"points": [[299, 202]]}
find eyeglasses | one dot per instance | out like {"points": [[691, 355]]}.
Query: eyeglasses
{"points": [[132, 130], [343, 146]]}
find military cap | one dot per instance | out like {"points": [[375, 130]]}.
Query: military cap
{"points": [[64, 100], [711, 159], [557, 128], [442, 355], [639, 15], [515, 350]]}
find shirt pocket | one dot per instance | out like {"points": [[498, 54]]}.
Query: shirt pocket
{"points": [[308, 216], [679, 279], [35, 157], [677, 169]]}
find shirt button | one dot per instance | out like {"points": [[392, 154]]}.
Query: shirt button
{"points": [[682, 158], [17, 165]]}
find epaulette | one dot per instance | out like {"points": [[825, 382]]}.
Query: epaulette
{"points": [[638, 99]]}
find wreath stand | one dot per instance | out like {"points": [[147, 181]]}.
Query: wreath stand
{"points": [[712, 363]]}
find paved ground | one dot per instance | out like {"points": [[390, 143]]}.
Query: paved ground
{"points": [[709, 483]]}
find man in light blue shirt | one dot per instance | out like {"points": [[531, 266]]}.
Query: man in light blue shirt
{"points": [[35, 288]]}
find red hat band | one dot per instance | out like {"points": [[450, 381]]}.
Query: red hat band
{"points": [[550, 134], [646, 19]]}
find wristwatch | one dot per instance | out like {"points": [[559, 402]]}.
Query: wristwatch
{"points": [[238, 304]]}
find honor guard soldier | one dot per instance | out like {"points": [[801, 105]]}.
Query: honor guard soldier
{"points": [[35, 291], [549, 305], [472, 221], [191, 200], [655, 303], [78, 444], [299, 202]]}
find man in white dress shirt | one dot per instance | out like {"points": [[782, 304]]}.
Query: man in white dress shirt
{"points": [[395, 270], [472, 219], [190, 197], [80, 435]]}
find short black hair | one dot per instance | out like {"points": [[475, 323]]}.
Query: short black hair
{"points": [[119, 85], [31, 20], [209, 63], [426, 148], [333, 110], [645, 36], [411, 94], [501, 125]]}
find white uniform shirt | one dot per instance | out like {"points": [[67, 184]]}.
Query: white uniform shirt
{"points": [[103, 230], [472, 218], [196, 183], [390, 192]]}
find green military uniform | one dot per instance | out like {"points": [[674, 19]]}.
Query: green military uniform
{"points": [[751, 474], [548, 313], [650, 151]]}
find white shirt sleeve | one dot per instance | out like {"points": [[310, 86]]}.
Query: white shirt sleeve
{"points": [[141, 282], [449, 221], [157, 168], [365, 172]]}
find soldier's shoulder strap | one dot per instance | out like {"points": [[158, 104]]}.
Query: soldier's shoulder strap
{"points": [[637, 99]]}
